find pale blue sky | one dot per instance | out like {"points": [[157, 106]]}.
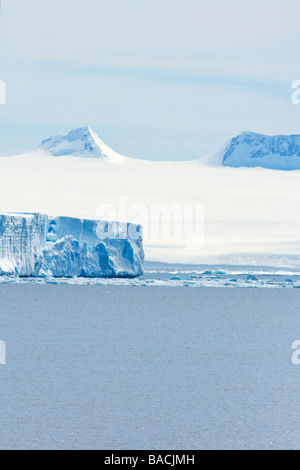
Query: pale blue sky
{"points": [[161, 79]]}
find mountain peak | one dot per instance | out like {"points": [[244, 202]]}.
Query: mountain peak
{"points": [[81, 142], [250, 149]]}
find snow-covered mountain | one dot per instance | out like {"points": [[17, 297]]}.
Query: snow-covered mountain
{"points": [[248, 149], [82, 142]]}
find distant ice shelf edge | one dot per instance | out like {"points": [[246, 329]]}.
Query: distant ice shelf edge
{"points": [[35, 245]]}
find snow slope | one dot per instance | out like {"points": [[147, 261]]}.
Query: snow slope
{"points": [[248, 149], [36, 245], [251, 214]]}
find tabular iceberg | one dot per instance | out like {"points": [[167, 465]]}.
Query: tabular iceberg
{"points": [[37, 245]]}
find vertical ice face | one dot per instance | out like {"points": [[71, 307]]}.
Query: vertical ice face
{"points": [[91, 248], [36, 245], [21, 239]]}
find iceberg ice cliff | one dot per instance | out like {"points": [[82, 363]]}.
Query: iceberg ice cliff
{"points": [[37, 245]]}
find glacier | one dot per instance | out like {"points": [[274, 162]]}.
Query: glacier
{"points": [[36, 245], [249, 149]]}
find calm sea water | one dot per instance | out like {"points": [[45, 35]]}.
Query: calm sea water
{"points": [[107, 367]]}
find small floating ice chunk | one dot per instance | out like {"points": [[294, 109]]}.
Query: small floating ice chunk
{"points": [[251, 277]]}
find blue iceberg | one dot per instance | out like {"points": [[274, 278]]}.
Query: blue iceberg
{"points": [[37, 245]]}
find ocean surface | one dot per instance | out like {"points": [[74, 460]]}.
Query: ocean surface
{"points": [[168, 275], [127, 367]]}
